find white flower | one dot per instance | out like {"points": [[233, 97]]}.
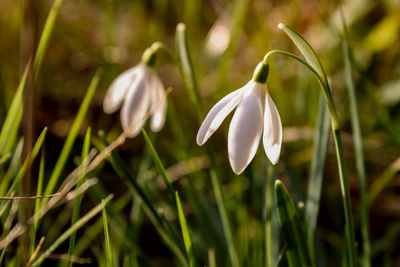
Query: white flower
{"points": [[141, 91], [256, 115]]}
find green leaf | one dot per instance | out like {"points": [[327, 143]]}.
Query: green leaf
{"points": [[305, 48], [14, 115], [186, 68], [72, 134], [159, 164], [45, 37], [185, 231], [297, 250], [320, 145], [358, 149], [28, 161], [78, 199], [107, 239]]}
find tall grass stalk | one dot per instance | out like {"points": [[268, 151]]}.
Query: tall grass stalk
{"points": [[62, 159], [316, 174], [188, 74], [45, 37], [159, 223], [358, 149], [78, 199], [107, 238]]}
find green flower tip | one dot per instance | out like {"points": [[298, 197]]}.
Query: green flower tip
{"points": [[260, 74], [149, 55], [278, 183]]}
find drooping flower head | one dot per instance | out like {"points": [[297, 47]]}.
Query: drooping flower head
{"points": [[139, 90], [256, 115]]}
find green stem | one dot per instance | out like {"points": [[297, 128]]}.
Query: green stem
{"points": [[269, 191], [224, 218], [344, 185], [322, 80]]}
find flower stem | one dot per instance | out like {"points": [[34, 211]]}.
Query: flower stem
{"points": [[344, 183]]}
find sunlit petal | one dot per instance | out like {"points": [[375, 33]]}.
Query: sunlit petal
{"points": [[136, 105], [272, 138], [245, 129], [118, 89], [158, 102], [218, 113]]}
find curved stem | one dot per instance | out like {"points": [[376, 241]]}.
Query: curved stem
{"points": [[344, 183], [322, 80]]}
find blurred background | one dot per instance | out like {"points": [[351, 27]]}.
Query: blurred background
{"points": [[226, 39]]}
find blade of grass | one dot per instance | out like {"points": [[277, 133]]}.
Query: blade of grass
{"points": [[93, 231], [160, 224], [159, 164], [185, 231], [358, 149], [39, 189], [297, 251], [53, 180], [187, 72], [81, 222], [280, 256], [186, 68], [28, 160], [78, 199], [320, 145], [45, 37], [14, 167], [14, 115], [107, 239]]}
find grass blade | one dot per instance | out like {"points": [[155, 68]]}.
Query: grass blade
{"points": [[72, 134], [320, 146], [39, 190], [28, 160], [107, 238], [358, 150], [160, 225], [185, 231], [159, 164], [81, 222], [14, 115], [44, 38], [78, 199], [297, 251], [186, 68]]}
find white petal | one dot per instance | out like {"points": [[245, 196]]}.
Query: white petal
{"points": [[136, 105], [118, 89], [272, 138], [245, 129], [158, 103], [218, 113]]}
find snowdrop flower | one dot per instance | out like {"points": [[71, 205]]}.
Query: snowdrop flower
{"points": [[256, 115], [139, 90]]}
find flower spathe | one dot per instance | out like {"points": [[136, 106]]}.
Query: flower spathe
{"points": [[256, 115], [139, 90]]}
